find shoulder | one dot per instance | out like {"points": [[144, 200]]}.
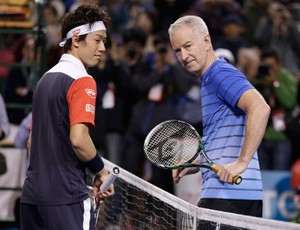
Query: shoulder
{"points": [[70, 66]]}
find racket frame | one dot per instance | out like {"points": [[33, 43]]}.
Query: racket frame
{"points": [[200, 151]]}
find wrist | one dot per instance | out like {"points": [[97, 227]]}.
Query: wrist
{"points": [[95, 164], [243, 160]]}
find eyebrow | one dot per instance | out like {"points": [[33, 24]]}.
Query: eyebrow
{"points": [[100, 35], [185, 44]]}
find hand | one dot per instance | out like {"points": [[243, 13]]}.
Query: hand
{"points": [[177, 174], [99, 179], [228, 171]]}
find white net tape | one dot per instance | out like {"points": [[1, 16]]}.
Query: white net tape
{"points": [[138, 204]]}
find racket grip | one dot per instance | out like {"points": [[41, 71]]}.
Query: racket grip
{"points": [[235, 180], [110, 179]]}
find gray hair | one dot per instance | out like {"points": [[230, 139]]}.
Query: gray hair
{"points": [[195, 22]]}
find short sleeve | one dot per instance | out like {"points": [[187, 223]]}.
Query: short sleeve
{"points": [[82, 101], [231, 87]]}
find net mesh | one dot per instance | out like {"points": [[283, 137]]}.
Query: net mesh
{"points": [[138, 204], [172, 143]]}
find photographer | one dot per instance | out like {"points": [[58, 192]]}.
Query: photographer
{"points": [[279, 87], [278, 31], [157, 82]]}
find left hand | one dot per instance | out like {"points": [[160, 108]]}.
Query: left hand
{"points": [[177, 174]]}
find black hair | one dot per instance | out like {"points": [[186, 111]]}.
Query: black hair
{"points": [[85, 13], [269, 53]]}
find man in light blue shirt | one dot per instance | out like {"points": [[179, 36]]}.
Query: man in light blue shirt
{"points": [[234, 117]]}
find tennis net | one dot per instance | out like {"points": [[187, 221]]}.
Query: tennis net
{"points": [[138, 204]]}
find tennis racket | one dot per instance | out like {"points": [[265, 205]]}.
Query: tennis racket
{"points": [[175, 144], [103, 188]]}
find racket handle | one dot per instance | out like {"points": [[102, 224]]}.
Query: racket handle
{"points": [[235, 180], [110, 179]]}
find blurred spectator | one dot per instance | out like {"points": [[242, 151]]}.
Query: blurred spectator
{"points": [[279, 87], [277, 31], [294, 8], [293, 126], [232, 39], [18, 87], [68, 4], [113, 109], [157, 85], [226, 54], [59, 6], [120, 11], [132, 48], [146, 21], [52, 23], [248, 62], [213, 13], [253, 11], [4, 123], [169, 10], [76, 3], [22, 135]]}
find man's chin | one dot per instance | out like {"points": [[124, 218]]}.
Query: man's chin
{"points": [[191, 68], [95, 63]]}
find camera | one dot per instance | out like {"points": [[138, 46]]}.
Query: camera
{"points": [[131, 52], [162, 49], [264, 69]]}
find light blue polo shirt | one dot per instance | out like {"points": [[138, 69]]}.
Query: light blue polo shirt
{"points": [[224, 130]]}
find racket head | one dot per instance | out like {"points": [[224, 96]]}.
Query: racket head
{"points": [[172, 143]]}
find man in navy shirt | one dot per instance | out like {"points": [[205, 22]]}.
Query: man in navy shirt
{"points": [[55, 194]]}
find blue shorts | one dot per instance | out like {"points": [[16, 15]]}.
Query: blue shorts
{"points": [[77, 216]]}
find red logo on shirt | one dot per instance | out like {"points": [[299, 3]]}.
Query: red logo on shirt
{"points": [[91, 93], [90, 108]]}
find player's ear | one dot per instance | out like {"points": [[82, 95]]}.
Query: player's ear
{"points": [[207, 41], [75, 41]]}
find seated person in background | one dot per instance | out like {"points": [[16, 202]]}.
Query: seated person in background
{"points": [[17, 86]]}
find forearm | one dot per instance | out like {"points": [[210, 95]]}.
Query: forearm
{"points": [[256, 123], [85, 150]]}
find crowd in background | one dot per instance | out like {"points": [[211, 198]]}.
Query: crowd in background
{"points": [[140, 82]]}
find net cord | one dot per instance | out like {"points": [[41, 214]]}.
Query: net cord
{"points": [[226, 218]]}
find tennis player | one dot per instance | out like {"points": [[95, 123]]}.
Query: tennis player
{"points": [[234, 116], [55, 194]]}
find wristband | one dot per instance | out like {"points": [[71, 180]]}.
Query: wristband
{"points": [[96, 164]]}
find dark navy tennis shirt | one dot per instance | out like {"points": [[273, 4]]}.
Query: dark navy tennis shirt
{"points": [[64, 96]]}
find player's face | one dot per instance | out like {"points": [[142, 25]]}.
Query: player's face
{"points": [[92, 48], [191, 49]]}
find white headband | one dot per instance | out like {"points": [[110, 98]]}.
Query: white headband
{"points": [[83, 29]]}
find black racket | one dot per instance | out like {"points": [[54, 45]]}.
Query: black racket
{"points": [[175, 144]]}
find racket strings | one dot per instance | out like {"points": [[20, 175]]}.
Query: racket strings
{"points": [[172, 143]]}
